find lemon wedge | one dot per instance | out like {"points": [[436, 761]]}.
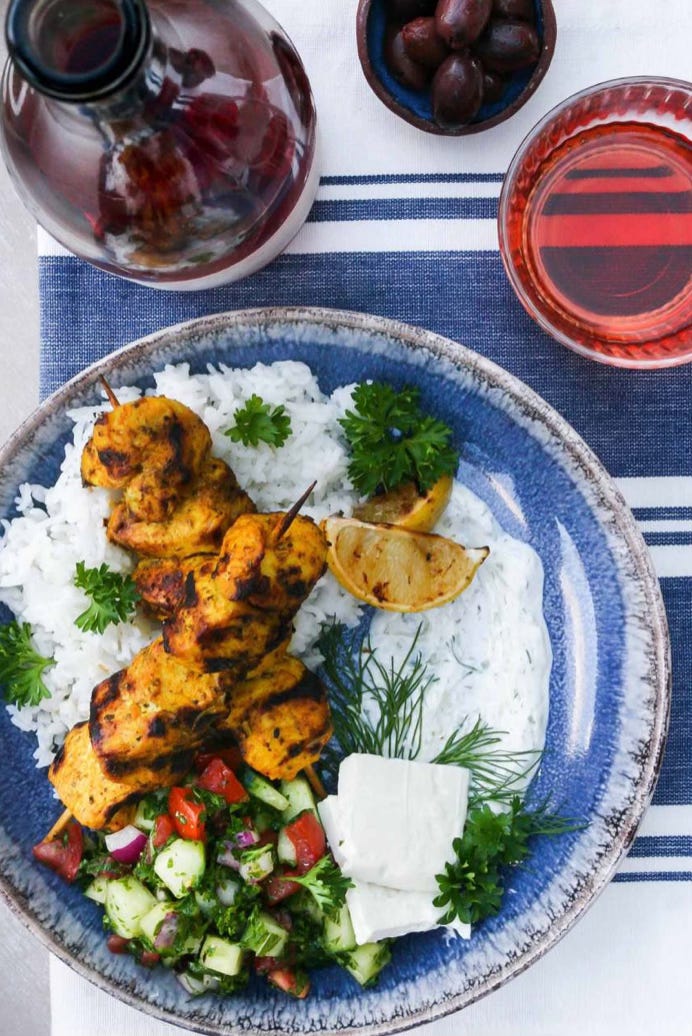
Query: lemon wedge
{"points": [[407, 507], [397, 569]]}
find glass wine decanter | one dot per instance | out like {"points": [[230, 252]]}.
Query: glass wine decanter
{"points": [[171, 142]]}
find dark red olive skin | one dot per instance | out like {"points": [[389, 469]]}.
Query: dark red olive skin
{"points": [[507, 47], [408, 72], [460, 22], [493, 87], [517, 10], [457, 91], [406, 10], [423, 44]]}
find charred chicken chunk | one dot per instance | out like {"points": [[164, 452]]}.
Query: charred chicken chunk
{"points": [[234, 614], [279, 717], [143, 717], [153, 449], [95, 800], [196, 525]]}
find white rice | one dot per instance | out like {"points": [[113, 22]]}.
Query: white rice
{"points": [[477, 645]]}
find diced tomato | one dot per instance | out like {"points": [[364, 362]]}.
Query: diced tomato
{"points": [[296, 983], [306, 834], [283, 917], [280, 887], [149, 959], [164, 827], [117, 944], [220, 779], [230, 756], [187, 815], [268, 837], [63, 854]]}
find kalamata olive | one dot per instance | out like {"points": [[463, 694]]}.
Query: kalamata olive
{"points": [[457, 90], [423, 44], [508, 46], [493, 87], [406, 10], [460, 22], [408, 72], [519, 10]]}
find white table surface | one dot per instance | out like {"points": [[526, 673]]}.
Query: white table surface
{"points": [[24, 996]]}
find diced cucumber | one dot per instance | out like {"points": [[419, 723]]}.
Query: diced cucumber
{"points": [[366, 961], [181, 865], [143, 818], [304, 902], [264, 936], [299, 798], [285, 849], [221, 956], [260, 788], [338, 935], [127, 902], [256, 864], [97, 890], [151, 923], [206, 902]]}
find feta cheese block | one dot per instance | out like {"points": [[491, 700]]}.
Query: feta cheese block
{"points": [[383, 913], [395, 820], [328, 810]]}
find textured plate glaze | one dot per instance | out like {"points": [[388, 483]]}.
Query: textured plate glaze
{"points": [[609, 694]]}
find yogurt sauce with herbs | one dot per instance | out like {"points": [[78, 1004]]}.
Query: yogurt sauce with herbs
{"points": [[489, 649]]}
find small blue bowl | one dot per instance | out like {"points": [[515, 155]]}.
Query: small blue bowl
{"points": [[415, 106]]}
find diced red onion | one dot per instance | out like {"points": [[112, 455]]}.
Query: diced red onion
{"points": [[168, 929], [126, 846], [226, 891], [197, 986], [247, 837], [226, 857]]}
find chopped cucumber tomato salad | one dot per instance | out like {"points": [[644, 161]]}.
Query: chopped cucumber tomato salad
{"points": [[220, 878]]}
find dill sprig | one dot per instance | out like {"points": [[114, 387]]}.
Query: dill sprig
{"points": [[377, 709], [496, 773]]}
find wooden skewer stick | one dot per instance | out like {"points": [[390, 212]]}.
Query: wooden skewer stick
{"points": [[285, 523], [315, 782], [112, 398], [59, 826]]}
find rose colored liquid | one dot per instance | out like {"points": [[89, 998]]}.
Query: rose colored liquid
{"points": [[604, 235]]}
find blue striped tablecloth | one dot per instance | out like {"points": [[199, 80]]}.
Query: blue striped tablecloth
{"points": [[404, 226]]}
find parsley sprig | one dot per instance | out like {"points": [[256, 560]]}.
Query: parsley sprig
{"points": [[21, 666], [258, 421], [326, 884], [393, 441], [472, 887], [113, 597]]}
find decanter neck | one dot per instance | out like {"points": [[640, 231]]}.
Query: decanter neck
{"points": [[79, 51]]}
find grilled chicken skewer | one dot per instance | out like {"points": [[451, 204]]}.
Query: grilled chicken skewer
{"points": [[147, 721]]}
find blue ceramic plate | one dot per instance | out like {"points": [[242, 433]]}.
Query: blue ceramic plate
{"points": [[609, 693]]}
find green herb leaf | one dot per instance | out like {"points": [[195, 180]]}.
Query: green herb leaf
{"points": [[326, 884], [393, 441], [472, 887], [258, 421], [21, 666], [113, 597]]}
